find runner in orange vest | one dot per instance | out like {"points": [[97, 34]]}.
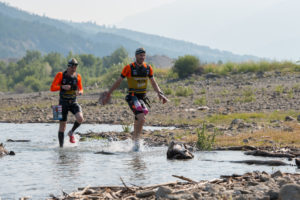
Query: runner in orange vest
{"points": [[69, 84], [137, 74]]}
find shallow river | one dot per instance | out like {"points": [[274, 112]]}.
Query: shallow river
{"points": [[40, 168]]}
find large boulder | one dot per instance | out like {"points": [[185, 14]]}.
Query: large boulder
{"points": [[3, 151], [289, 192], [178, 151]]}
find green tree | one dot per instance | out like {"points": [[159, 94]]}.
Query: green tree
{"points": [[32, 84], [186, 65], [3, 83], [56, 61], [118, 56], [30, 57]]}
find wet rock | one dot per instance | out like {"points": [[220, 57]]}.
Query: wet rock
{"points": [[262, 162], [273, 194], [178, 151], [297, 161], [89, 191], [277, 174], [289, 192], [211, 75], [289, 118], [145, 193], [162, 192], [3, 151]]}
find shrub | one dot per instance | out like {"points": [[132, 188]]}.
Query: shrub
{"points": [[187, 65], [205, 141]]}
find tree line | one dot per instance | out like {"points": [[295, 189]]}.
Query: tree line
{"points": [[35, 72]]}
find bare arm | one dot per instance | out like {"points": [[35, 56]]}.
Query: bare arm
{"points": [[156, 88], [110, 91], [115, 85]]}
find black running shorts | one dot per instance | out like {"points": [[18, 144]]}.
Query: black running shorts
{"points": [[69, 105]]}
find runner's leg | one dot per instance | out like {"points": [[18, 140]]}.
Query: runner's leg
{"points": [[62, 128], [138, 126]]}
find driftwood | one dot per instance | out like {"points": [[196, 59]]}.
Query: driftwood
{"points": [[105, 153], [269, 154], [10, 140], [159, 185], [237, 148], [184, 178], [187, 190], [262, 162], [126, 185]]}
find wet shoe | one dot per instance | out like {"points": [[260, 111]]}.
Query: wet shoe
{"points": [[72, 137], [136, 146]]}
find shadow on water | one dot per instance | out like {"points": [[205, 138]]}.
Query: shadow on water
{"points": [[137, 166], [65, 165]]}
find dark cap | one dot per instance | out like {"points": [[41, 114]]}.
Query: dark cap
{"points": [[140, 50], [72, 62]]}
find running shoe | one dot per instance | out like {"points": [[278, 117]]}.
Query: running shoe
{"points": [[72, 137]]}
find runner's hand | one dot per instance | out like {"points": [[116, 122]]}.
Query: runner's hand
{"points": [[104, 98], [162, 97], [78, 93]]}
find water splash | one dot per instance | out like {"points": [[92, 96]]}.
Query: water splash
{"points": [[124, 146]]}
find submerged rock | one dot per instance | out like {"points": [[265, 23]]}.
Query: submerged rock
{"points": [[178, 151]]}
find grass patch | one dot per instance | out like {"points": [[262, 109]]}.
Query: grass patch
{"points": [[176, 101], [183, 91], [118, 94], [279, 89], [263, 138], [248, 117], [127, 128], [251, 67], [200, 101]]}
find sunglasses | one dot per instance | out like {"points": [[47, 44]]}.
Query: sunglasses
{"points": [[74, 65]]}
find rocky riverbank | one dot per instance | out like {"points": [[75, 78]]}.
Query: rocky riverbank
{"points": [[254, 185], [210, 95]]}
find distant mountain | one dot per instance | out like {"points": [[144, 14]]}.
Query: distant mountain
{"points": [[21, 31]]}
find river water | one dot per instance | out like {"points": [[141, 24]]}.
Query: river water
{"points": [[40, 168]]}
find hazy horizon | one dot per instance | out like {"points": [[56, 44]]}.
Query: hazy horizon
{"points": [[249, 27]]}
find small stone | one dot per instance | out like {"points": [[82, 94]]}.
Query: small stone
{"points": [[289, 118], [145, 193], [163, 192], [277, 174]]}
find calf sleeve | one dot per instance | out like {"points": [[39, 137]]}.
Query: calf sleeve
{"points": [[75, 126], [61, 138]]}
